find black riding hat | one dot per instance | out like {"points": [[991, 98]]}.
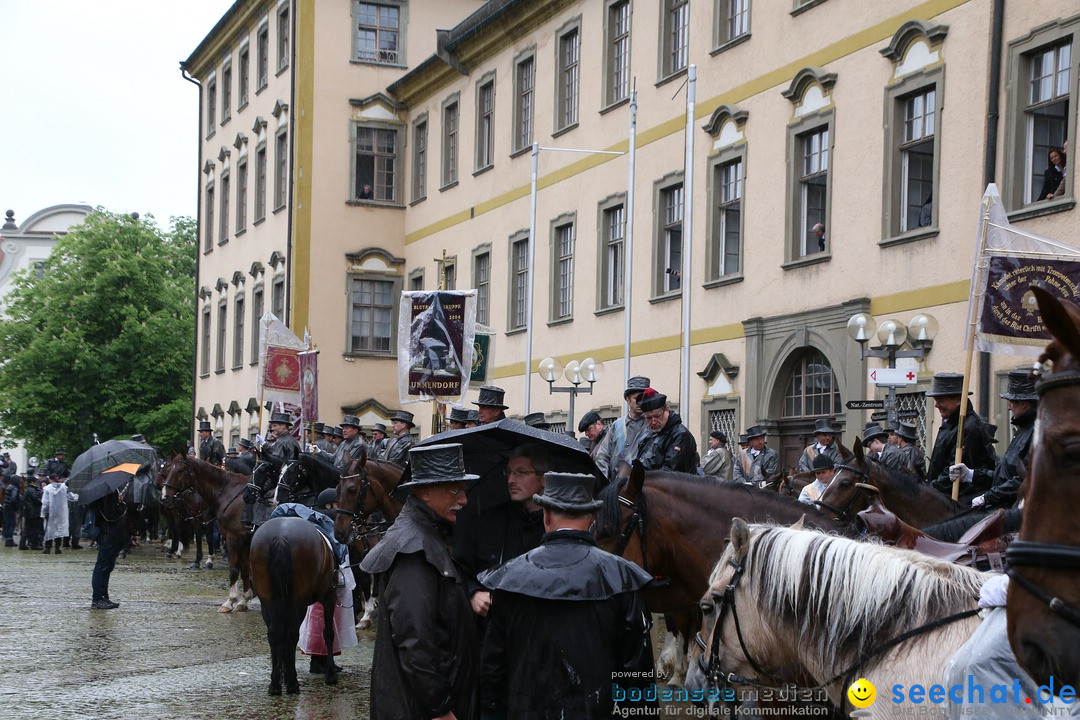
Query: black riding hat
{"points": [[1021, 387], [568, 492], [437, 465]]}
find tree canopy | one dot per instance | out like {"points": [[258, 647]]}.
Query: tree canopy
{"points": [[101, 339]]}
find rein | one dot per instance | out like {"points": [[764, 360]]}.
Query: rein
{"points": [[1055, 556], [179, 493], [861, 485]]}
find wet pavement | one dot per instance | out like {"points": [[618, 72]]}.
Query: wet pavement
{"points": [[164, 653]]}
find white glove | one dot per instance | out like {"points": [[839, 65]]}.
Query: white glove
{"points": [[979, 501], [994, 591], [258, 441], [961, 471], [312, 448]]}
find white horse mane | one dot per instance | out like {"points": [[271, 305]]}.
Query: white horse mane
{"points": [[843, 597]]}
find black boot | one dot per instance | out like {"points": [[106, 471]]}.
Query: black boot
{"points": [[47, 550]]}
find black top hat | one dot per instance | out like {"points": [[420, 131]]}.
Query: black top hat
{"points": [[281, 417], [718, 435], [743, 439], [459, 414], [946, 384], [907, 431], [652, 400], [474, 416], [491, 396], [537, 420], [350, 421], [244, 443], [754, 431], [636, 384], [204, 426], [30, 471], [568, 492], [60, 451], [138, 438], [1021, 386], [319, 428], [405, 417], [232, 451], [379, 427], [823, 462], [824, 425], [437, 465], [337, 432], [588, 419], [872, 431]]}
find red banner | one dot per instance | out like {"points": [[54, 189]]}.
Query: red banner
{"points": [[282, 369]]}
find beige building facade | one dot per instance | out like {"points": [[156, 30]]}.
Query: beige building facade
{"points": [[875, 120]]}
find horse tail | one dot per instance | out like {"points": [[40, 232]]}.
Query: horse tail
{"points": [[279, 572]]}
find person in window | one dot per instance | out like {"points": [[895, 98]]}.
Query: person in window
{"points": [[1054, 177], [819, 232], [926, 213], [366, 193]]}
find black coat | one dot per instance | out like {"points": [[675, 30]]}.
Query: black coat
{"points": [[567, 624], [1013, 466], [674, 448], [211, 450], [56, 467], [978, 454], [426, 646], [498, 534], [1051, 179]]}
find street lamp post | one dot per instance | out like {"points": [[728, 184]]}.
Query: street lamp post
{"points": [[918, 334], [588, 370]]}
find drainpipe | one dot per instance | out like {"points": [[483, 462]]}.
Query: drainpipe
{"points": [[198, 251], [291, 200], [990, 164]]}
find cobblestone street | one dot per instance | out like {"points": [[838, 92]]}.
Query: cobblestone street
{"points": [[165, 653]]}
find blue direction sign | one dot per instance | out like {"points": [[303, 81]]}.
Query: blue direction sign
{"points": [[865, 404]]}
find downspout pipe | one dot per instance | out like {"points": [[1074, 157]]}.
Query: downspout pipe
{"points": [[198, 251], [993, 116], [290, 198]]}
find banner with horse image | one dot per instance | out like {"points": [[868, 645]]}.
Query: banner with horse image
{"points": [[280, 376], [1008, 263], [436, 332]]}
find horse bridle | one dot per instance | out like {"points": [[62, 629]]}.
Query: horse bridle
{"points": [[361, 528], [179, 493], [1057, 556], [861, 486]]}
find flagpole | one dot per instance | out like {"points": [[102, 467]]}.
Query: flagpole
{"points": [[973, 317]]}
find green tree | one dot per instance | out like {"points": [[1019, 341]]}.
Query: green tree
{"points": [[102, 339]]}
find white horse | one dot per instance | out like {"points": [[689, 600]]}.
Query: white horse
{"points": [[817, 609]]}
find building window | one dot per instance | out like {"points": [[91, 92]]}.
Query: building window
{"points": [[617, 55], [449, 275], [377, 33], [811, 388], [524, 92], [226, 93], [243, 77], [732, 20], [1047, 113], [420, 136], [277, 299], [675, 36], [241, 195], [204, 351], [416, 280], [281, 174], [209, 242], [256, 316], [260, 182], [725, 241], [450, 143], [563, 289], [223, 317], [223, 229], [283, 38], [612, 252], [569, 79], [371, 318], [482, 283], [211, 107], [238, 332], [668, 273], [812, 190], [262, 47], [376, 164], [485, 124], [519, 282]]}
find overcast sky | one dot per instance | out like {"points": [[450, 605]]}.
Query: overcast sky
{"points": [[94, 108]]}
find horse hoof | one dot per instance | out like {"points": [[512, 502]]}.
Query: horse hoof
{"points": [[363, 625], [240, 608], [194, 566], [293, 688], [226, 608], [275, 690], [331, 678], [209, 565]]}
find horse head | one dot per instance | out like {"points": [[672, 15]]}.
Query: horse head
{"points": [[624, 516], [364, 489], [847, 492], [177, 480], [1044, 564]]}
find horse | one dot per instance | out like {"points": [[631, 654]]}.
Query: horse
{"points": [[1044, 563], [302, 480], [821, 611], [913, 501], [366, 488], [675, 526], [187, 479], [181, 528], [292, 567]]}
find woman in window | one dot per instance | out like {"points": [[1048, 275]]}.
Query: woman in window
{"points": [[1054, 177]]}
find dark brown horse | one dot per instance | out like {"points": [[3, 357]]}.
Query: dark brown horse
{"points": [[292, 567], [676, 526], [186, 479], [1044, 564]]}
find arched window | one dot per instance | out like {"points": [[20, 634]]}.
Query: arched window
{"points": [[811, 388]]}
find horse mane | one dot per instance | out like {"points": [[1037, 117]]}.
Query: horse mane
{"points": [[609, 516], [907, 483], [845, 596], [321, 462]]}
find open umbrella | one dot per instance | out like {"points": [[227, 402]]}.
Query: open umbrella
{"points": [[107, 481], [106, 456]]}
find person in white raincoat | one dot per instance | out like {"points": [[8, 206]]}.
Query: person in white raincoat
{"points": [[54, 509]]}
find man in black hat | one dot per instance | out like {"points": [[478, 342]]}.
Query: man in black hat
{"points": [[351, 443], [824, 470], [537, 420], [824, 444], [978, 451], [425, 663], [473, 419], [1011, 468], [247, 454], [33, 526], [758, 462], [397, 451], [458, 417], [281, 445], [568, 630], [592, 427], [717, 461], [210, 448], [906, 455], [379, 441], [876, 440], [668, 444], [321, 441], [12, 501], [489, 405], [624, 435], [8, 467]]}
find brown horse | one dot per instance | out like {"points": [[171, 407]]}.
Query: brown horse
{"points": [[675, 526], [914, 502], [187, 478], [1044, 564], [292, 567]]}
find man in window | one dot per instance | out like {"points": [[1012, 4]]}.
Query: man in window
{"points": [[366, 193], [668, 444], [819, 232]]}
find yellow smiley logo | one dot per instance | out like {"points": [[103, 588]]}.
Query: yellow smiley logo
{"points": [[862, 693]]}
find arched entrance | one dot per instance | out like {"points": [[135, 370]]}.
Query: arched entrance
{"points": [[810, 392]]}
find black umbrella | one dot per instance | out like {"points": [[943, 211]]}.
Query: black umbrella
{"points": [[106, 456], [107, 482]]}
